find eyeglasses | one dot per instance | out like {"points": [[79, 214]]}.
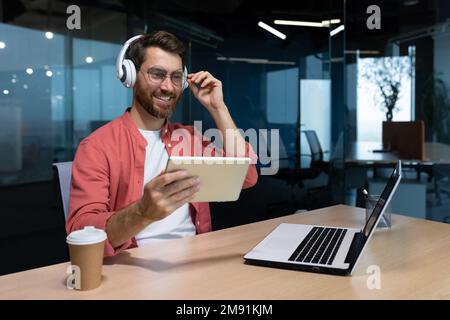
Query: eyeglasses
{"points": [[157, 76]]}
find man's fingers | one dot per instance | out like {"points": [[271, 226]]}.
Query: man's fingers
{"points": [[194, 76], [193, 88], [207, 82], [172, 203], [168, 177], [179, 196], [177, 186], [183, 201], [200, 78]]}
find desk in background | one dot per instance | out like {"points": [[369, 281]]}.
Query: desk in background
{"points": [[362, 153], [414, 259], [360, 157]]}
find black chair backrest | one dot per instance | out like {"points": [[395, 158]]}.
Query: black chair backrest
{"points": [[314, 146]]}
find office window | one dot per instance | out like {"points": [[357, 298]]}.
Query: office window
{"points": [[54, 92], [31, 77], [374, 75], [98, 96]]}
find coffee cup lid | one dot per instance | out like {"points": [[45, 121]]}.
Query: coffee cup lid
{"points": [[88, 235]]}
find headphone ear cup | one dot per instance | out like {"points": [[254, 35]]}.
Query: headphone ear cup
{"points": [[185, 82], [129, 73]]}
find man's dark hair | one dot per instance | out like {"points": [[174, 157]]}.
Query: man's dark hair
{"points": [[161, 39]]}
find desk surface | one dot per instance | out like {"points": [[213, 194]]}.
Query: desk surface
{"points": [[362, 151], [414, 258]]}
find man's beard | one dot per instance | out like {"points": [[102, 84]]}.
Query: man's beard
{"points": [[145, 101]]}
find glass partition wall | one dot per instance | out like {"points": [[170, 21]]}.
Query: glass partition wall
{"points": [[397, 70], [59, 84]]}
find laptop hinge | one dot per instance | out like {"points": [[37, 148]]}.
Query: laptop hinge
{"points": [[355, 248]]}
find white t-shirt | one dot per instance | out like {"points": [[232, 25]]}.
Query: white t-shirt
{"points": [[179, 223]]}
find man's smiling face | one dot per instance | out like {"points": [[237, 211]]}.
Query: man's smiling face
{"points": [[157, 89]]}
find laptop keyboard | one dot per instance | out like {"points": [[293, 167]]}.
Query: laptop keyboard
{"points": [[319, 246]]}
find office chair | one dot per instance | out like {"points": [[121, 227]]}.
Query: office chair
{"points": [[405, 137], [64, 170], [441, 173], [440, 177], [317, 165], [296, 176], [286, 173]]}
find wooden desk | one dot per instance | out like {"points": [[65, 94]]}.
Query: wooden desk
{"points": [[362, 152], [414, 257]]}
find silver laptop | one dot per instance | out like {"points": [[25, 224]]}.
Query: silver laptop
{"points": [[320, 248]]}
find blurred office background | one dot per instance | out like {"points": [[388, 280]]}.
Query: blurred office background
{"points": [[320, 87]]}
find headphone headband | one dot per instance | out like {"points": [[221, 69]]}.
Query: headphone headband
{"points": [[121, 56], [126, 70]]}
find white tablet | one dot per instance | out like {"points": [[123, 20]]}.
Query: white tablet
{"points": [[221, 178]]}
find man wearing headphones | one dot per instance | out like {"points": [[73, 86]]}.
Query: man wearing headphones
{"points": [[118, 180]]}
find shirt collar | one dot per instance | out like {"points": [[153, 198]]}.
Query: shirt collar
{"points": [[129, 123]]}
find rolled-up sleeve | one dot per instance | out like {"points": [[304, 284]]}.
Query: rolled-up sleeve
{"points": [[252, 174], [89, 203]]}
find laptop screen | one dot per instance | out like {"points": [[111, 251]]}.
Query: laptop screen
{"points": [[384, 198]]}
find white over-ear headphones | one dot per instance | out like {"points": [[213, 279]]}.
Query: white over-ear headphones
{"points": [[126, 70]]}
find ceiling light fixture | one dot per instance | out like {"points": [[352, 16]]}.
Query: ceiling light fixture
{"points": [[272, 30], [322, 24], [337, 30]]}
